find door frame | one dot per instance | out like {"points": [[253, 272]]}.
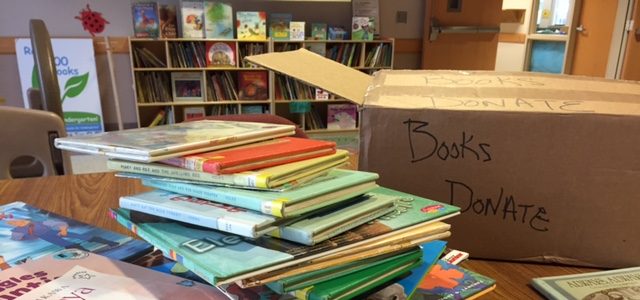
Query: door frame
{"points": [[620, 38]]}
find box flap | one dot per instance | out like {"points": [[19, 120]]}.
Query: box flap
{"points": [[317, 71]]}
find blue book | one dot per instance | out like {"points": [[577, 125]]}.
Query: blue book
{"points": [[28, 233]]}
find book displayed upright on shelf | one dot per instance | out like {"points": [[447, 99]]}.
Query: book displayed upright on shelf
{"points": [[279, 26], [145, 19], [220, 54], [296, 29], [253, 85], [251, 25], [187, 86], [218, 20], [610, 284], [192, 13], [319, 31], [162, 142], [342, 116], [168, 21], [362, 28], [193, 112]]}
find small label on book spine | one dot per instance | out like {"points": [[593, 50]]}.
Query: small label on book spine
{"points": [[273, 208]]}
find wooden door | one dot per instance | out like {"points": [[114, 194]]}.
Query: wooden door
{"points": [[461, 51], [593, 33], [631, 63]]}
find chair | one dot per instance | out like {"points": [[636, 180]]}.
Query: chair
{"points": [[259, 118], [27, 135]]}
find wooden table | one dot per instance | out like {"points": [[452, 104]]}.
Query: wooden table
{"points": [[87, 197]]}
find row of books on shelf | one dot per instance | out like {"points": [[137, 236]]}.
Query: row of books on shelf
{"points": [[276, 213], [167, 115], [214, 19]]}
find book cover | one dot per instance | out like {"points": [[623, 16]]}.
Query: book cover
{"points": [[251, 25], [29, 233], [221, 54], [73, 273], [337, 186], [342, 116], [168, 20], [187, 86], [446, 281], [278, 178], [252, 85], [254, 156], [353, 284], [192, 112], [611, 284], [218, 20], [279, 26], [296, 30], [336, 33], [166, 141], [192, 13], [334, 220], [319, 31], [254, 109], [145, 19], [199, 212], [362, 28]]}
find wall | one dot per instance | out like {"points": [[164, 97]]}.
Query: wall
{"points": [[510, 55]]}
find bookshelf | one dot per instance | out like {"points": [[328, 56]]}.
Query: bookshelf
{"points": [[171, 75]]}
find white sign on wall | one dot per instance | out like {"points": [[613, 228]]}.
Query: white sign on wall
{"points": [[77, 77]]}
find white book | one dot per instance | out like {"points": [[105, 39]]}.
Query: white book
{"points": [[296, 31]]}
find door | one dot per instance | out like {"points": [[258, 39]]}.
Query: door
{"points": [[593, 33], [631, 64], [461, 50]]}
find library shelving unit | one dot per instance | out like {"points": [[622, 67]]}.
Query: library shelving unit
{"points": [[173, 78]]}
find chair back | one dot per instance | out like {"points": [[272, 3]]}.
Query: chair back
{"points": [[27, 135]]}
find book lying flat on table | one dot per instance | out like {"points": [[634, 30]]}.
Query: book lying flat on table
{"points": [[76, 274], [254, 156], [445, 279], [166, 141], [338, 185], [278, 178], [611, 284], [28, 233]]}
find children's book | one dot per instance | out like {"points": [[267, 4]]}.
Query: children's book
{"points": [[192, 13], [611, 284], [446, 281], [337, 186], [353, 284], [336, 33], [254, 109], [277, 178], [221, 54], [218, 20], [279, 26], [362, 28], [168, 20], [74, 273], [29, 233], [145, 19], [254, 156], [251, 25], [187, 86], [342, 116], [200, 212], [252, 85], [296, 30], [318, 31], [193, 112], [166, 141]]}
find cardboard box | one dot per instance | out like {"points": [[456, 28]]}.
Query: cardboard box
{"points": [[545, 167]]}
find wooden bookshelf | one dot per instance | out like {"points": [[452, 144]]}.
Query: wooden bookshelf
{"points": [[160, 65]]}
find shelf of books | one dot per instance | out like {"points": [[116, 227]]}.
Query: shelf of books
{"points": [[178, 79]]}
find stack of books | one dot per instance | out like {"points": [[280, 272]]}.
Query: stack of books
{"points": [[245, 205]]}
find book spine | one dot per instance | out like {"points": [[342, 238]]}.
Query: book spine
{"points": [[165, 247], [222, 224]]}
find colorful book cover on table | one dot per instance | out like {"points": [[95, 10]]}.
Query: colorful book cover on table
{"points": [[166, 141], [611, 284], [168, 20], [254, 156], [251, 25], [200, 212], [28, 233], [221, 54], [252, 85], [447, 281], [195, 246], [319, 31], [342, 116], [296, 29], [145, 19], [71, 272], [218, 20], [279, 26], [336, 186], [362, 28], [192, 13]]}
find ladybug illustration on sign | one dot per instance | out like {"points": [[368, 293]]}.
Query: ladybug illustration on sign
{"points": [[92, 21]]}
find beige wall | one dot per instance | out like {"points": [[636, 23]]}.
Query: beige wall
{"points": [[511, 56]]}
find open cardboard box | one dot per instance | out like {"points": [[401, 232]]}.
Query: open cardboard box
{"points": [[544, 167]]}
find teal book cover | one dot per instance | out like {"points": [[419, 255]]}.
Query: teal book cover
{"points": [[28, 233], [279, 26], [338, 185], [447, 281], [218, 18]]}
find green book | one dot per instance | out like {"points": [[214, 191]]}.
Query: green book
{"points": [[353, 284]]}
